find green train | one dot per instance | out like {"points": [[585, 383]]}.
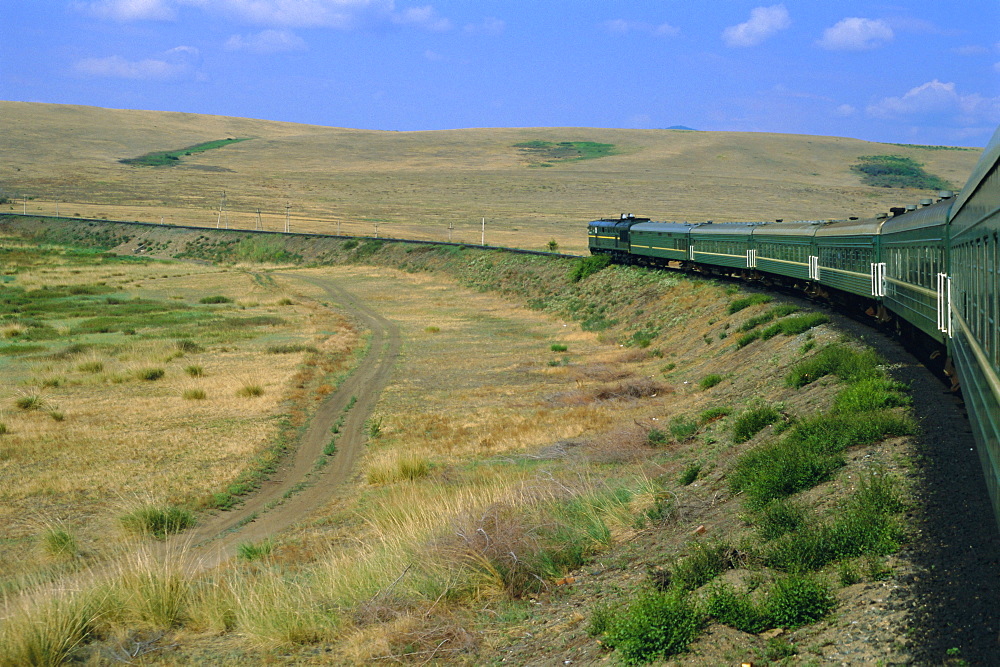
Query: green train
{"points": [[932, 268]]}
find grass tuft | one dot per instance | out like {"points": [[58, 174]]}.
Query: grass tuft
{"points": [[157, 521]]}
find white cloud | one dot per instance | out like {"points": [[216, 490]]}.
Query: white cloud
{"points": [[129, 10], [974, 50], [266, 41], [116, 67], [845, 110], [424, 17], [996, 67], [621, 27], [489, 26], [764, 22], [342, 14], [856, 34], [939, 101]]}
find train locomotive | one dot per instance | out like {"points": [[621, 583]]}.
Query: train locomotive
{"points": [[933, 269]]}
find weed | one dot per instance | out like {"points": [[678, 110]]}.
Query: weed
{"points": [[157, 521], [250, 391], [798, 600], [30, 402], [250, 551], [690, 474], [186, 345], [710, 381], [752, 421], [870, 394], [150, 374], [714, 414], [331, 448], [215, 299], [290, 349], [57, 415], [654, 626], [836, 359], [703, 564], [558, 347], [682, 428], [432, 329], [90, 367], [736, 305], [588, 266], [194, 394], [656, 438], [194, 370], [3, 428], [60, 543]]}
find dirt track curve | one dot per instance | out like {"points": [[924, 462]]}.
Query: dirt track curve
{"points": [[264, 513]]}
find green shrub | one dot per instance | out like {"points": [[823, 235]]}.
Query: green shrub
{"points": [[194, 394], [736, 305], [752, 421], [712, 414], [796, 600], [188, 345], [150, 374], [3, 428], [746, 339], [710, 381], [654, 626], [682, 428], [215, 299], [690, 474], [793, 326], [778, 518], [194, 370], [157, 521], [738, 610], [588, 266], [656, 438], [703, 564], [30, 402], [558, 347]]}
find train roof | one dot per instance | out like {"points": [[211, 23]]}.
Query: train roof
{"points": [[662, 227], [986, 164], [792, 228], [935, 215], [740, 228], [862, 227]]}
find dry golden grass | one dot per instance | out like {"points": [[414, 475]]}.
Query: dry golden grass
{"points": [[417, 184], [120, 440]]}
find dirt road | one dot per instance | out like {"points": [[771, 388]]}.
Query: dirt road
{"points": [[267, 511]]}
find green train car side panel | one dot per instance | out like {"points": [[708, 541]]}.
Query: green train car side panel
{"points": [[846, 263]]}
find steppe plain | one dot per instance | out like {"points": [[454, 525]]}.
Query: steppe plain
{"points": [[501, 416]]}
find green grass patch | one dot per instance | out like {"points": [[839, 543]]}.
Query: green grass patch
{"points": [[218, 298], [752, 421], [174, 157], [736, 305], [710, 381], [837, 359], [545, 153], [894, 171]]}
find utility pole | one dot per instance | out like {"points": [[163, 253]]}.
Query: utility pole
{"points": [[484, 231], [259, 224], [25, 209], [376, 230], [451, 226], [287, 206]]}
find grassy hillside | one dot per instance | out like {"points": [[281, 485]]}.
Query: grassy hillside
{"points": [[418, 184]]}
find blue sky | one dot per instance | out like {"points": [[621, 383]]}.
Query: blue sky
{"points": [[910, 71]]}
